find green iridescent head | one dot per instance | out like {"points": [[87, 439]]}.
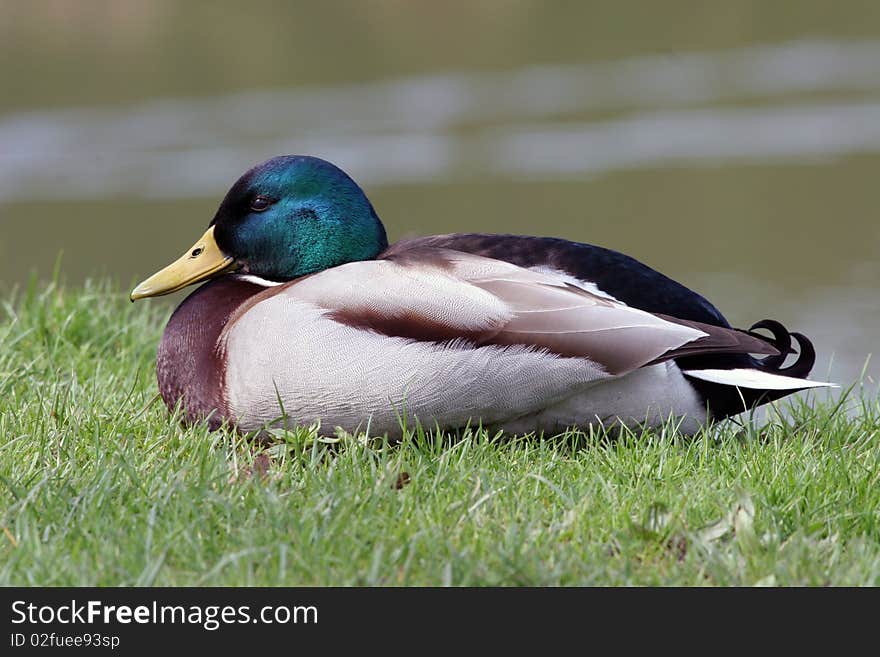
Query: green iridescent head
{"points": [[295, 215], [287, 217]]}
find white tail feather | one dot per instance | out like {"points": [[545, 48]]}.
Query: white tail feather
{"points": [[756, 379]]}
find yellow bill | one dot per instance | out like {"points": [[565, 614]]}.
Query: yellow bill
{"points": [[204, 259]]}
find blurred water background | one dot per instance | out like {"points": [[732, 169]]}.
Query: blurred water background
{"points": [[734, 146]]}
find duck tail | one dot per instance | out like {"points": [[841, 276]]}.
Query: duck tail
{"points": [[732, 391]]}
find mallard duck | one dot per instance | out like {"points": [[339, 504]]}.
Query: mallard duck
{"points": [[309, 315]]}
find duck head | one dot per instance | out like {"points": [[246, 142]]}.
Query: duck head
{"points": [[287, 217]]}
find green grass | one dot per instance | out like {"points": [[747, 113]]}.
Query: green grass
{"points": [[99, 486]]}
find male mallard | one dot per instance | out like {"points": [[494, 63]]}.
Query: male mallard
{"points": [[308, 309]]}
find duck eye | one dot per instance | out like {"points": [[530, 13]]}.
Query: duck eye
{"points": [[260, 203]]}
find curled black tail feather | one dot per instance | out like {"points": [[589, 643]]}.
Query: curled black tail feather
{"points": [[807, 358], [782, 341]]}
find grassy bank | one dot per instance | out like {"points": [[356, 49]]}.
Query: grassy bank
{"points": [[99, 486]]}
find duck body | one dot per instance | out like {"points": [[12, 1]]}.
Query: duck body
{"points": [[513, 332]]}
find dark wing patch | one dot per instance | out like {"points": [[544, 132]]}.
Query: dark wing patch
{"points": [[718, 341], [409, 325]]}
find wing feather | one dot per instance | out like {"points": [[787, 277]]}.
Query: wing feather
{"points": [[442, 295]]}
